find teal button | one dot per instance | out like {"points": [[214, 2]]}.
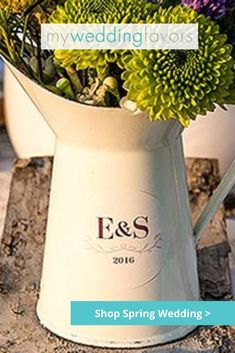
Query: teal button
{"points": [[182, 313]]}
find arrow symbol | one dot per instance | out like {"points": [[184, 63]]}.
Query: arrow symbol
{"points": [[207, 313]]}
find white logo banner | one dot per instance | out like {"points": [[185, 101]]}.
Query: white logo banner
{"points": [[119, 36]]}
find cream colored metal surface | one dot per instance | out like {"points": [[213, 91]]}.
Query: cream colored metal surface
{"points": [[119, 225], [212, 136], [29, 134]]}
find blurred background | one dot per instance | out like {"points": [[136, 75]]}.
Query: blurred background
{"points": [[7, 156], [24, 134]]}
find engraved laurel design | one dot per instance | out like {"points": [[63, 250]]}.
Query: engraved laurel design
{"points": [[147, 248]]}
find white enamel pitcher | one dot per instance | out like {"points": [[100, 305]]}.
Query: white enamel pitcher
{"points": [[119, 225]]}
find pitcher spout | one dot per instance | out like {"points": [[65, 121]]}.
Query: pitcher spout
{"points": [[99, 127]]}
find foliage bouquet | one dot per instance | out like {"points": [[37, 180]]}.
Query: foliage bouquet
{"points": [[169, 84]]}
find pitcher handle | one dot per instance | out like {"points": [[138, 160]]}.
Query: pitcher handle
{"points": [[215, 201]]}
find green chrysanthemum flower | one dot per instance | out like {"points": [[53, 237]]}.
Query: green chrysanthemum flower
{"points": [[103, 11], [84, 59], [181, 84], [98, 11]]}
